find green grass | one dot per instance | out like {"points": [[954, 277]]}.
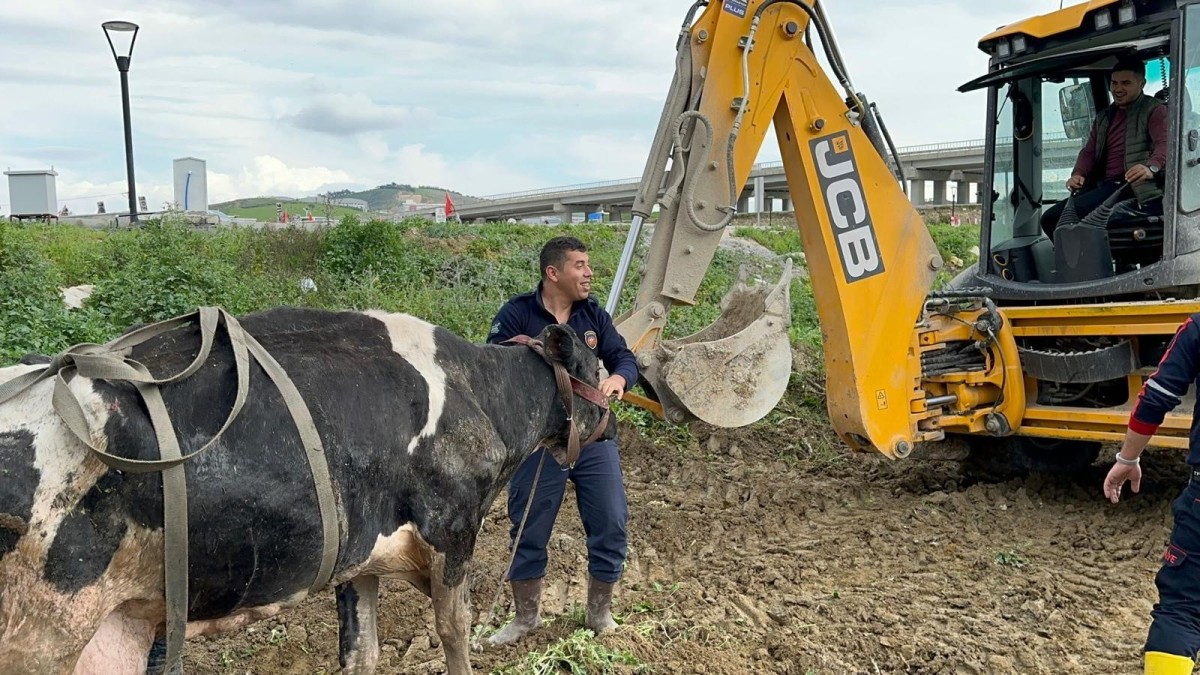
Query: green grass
{"points": [[1010, 558], [455, 275], [578, 654], [780, 240]]}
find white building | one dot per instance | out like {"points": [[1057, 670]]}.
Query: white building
{"points": [[191, 184], [360, 204], [32, 193]]}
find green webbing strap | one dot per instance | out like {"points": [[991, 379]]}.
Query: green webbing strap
{"points": [[112, 362]]}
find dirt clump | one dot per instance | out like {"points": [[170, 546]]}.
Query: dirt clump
{"points": [[779, 551]]}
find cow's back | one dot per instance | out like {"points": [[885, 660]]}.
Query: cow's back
{"points": [[255, 531]]}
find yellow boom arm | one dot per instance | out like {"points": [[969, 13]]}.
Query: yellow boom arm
{"points": [[741, 66]]}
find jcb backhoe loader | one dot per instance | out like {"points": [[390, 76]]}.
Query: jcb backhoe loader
{"points": [[1042, 346]]}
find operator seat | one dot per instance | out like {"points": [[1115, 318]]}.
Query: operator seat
{"points": [[1135, 231]]}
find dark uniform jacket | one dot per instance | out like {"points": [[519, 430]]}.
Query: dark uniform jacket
{"points": [[1168, 385], [526, 315]]}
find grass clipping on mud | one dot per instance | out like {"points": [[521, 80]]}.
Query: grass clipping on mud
{"points": [[580, 653]]}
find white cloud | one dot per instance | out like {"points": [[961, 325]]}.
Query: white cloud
{"points": [[480, 96], [598, 157], [270, 176], [346, 115]]}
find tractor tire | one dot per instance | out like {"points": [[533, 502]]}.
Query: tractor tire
{"points": [[1014, 456]]}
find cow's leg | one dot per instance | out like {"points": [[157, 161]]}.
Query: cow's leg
{"points": [[35, 638], [358, 641], [451, 612], [119, 647]]}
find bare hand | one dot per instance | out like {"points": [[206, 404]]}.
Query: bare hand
{"points": [[613, 385], [1117, 475], [1075, 182], [1138, 173]]}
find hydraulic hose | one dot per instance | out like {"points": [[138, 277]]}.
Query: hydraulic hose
{"points": [[689, 189], [831, 55]]}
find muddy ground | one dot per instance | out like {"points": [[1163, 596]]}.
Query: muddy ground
{"points": [[774, 552]]}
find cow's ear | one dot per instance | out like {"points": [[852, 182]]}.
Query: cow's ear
{"points": [[559, 343]]}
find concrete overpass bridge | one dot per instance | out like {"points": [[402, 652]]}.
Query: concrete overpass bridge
{"points": [[958, 162]]}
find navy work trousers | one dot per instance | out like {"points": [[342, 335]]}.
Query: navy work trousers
{"points": [[600, 492], [1085, 203], [1175, 628]]}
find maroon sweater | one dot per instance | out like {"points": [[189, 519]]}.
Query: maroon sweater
{"points": [[1114, 160]]}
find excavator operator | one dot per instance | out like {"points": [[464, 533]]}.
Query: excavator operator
{"points": [[1127, 145]]}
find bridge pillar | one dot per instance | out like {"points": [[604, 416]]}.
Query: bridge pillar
{"points": [[939, 192], [786, 205], [743, 205], [564, 212], [916, 192], [759, 194], [964, 192]]}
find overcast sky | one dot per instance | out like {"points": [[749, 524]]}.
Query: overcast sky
{"points": [[294, 97]]}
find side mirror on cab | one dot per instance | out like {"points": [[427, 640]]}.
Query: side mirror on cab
{"points": [[1077, 109]]}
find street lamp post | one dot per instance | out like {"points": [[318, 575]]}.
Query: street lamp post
{"points": [[111, 27]]}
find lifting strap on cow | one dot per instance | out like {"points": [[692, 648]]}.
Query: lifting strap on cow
{"points": [[112, 362]]}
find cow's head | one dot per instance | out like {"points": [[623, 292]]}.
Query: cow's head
{"points": [[563, 347]]}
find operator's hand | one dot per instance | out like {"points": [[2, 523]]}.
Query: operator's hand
{"points": [[1138, 173], [1117, 475], [1075, 182], [613, 385]]}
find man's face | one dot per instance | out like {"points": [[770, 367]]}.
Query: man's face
{"points": [[1126, 86], [573, 277]]}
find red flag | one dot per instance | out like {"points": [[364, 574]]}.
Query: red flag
{"points": [[449, 205]]}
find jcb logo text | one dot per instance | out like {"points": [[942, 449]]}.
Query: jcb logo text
{"points": [[847, 206]]}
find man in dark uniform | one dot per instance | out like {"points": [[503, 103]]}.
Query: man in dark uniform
{"points": [[1127, 144], [1174, 636], [564, 296]]}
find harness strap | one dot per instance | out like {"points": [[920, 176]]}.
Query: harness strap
{"points": [[568, 385], [111, 362]]}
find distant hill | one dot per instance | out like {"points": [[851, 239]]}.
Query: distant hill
{"points": [[380, 198], [387, 196], [263, 208]]}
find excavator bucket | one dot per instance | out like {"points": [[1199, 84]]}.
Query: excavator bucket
{"points": [[736, 370]]}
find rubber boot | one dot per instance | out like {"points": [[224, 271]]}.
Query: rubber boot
{"points": [[599, 606], [527, 597], [156, 661], [1161, 663]]}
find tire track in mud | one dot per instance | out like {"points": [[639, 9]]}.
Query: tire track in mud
{"points": [[743, 562]]}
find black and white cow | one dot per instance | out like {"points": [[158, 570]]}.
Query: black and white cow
{"points": [[421, 428]]}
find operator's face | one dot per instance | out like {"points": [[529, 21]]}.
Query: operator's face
{"points": [[573, 277], [1126, 86]]}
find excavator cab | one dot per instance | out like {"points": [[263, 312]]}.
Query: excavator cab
{"points": [[1048, 83], [1091, 302], [1042, 347]]}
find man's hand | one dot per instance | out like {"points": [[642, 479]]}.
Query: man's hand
{"points": [[1138, 173], [1075, 182], [1117, 475], [613, 384]]}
